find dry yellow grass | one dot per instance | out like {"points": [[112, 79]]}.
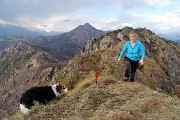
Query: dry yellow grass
{"points": [[110, 99], [32, 63], [81, 85]]}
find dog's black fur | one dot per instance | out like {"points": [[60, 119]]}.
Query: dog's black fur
{"points": [[41, 94]]}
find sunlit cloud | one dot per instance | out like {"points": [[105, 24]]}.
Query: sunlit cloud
{"points": [[164, 22], [2, 22], [158, 3]]}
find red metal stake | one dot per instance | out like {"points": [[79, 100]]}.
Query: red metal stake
{"points": [[97, 74]]}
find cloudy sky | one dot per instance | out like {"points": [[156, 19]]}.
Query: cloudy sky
{"points": [[64, 15]]}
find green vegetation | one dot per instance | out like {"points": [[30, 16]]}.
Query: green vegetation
{"points": [[152, 85]]}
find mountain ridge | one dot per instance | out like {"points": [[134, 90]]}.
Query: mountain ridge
{"points": [[14, 30], [165, 53], [64, 45], [161, 71], [68, 44]]}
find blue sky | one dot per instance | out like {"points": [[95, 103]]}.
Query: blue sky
{"points": [[64, 15]]}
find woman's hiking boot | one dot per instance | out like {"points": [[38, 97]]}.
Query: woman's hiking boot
{"points": [[125, 78]]}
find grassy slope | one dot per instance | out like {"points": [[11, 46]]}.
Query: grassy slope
{"points": [[110, 99]]}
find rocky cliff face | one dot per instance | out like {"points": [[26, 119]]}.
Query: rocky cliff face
{"points": [[22, 54]]}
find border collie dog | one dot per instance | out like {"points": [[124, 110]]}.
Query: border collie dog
{"points": [[40, 94]]}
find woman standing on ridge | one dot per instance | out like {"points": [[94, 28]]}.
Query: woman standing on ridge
{"points": [[133, 48]]}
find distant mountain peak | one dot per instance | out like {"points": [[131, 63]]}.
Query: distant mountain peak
{"points": [[82, 33], [87, 24]]}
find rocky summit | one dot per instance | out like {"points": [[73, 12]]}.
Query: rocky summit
{"points": [[162, 57]]}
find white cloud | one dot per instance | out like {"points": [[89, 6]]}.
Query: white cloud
{"points": [[45, 27], [165, 22], [108, 20], [62, 23], [2, 22], [64, 15], [158, 3], [127, 24], [65, 23]]}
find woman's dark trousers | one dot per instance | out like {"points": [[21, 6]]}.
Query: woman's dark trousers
{"points": [[130, 68]]}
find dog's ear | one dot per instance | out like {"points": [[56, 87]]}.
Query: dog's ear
{"points": [[58, 88]]}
